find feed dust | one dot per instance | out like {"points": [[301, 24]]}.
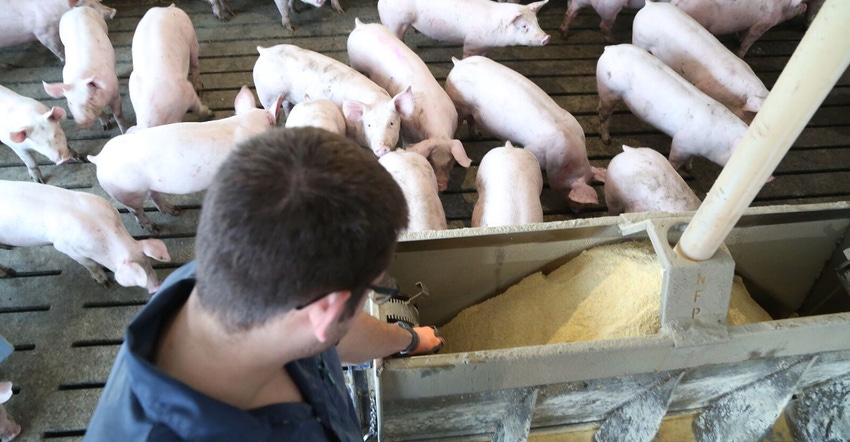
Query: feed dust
{"points": [[612, 291]]}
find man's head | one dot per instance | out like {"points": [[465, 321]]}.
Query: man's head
{"points": [[293, 215]]}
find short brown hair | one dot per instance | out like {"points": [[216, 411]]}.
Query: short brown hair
{"points": [[292, 215]]}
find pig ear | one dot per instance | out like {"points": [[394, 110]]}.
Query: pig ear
{"points": [[56, 90], [357, 22], [455, 61], [131, 274], [405, 103], [627, 148], [95, 82], [582, 193], [508, 144], [599, 173], [460, 154], [424, 147], [353, 110], [274, 111], [244, 101], [5, 391], [154, 248], [55, 114], [19, 136], [535, 7]]}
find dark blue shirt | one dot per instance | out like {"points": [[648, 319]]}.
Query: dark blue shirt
{"points": [[142, 403]]}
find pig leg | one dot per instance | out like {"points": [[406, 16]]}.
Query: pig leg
{"points": [[753, 34], [6, 271], [9, 429], [222, 9], [52, 41], [195, 67], [679, 156], [284, 6], [115, 106], [32, 165], [607, 101], [204, 113], [94, 268], [134, 202], [609, 16], [336, 7], [471, 48], [162, 205], [569, 16]]}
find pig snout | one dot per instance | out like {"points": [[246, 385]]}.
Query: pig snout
{"points": [[381, 150], [153, 285], [545, 40]]}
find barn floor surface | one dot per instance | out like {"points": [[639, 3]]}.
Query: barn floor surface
{"points": [[66, 329]]}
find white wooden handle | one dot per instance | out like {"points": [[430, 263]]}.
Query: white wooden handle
{"points": [[819, 60]]}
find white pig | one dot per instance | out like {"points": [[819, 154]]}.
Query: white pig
{"points": [[222, 9], [28, 126], [90, 83], [479, 24], [24, 21], [372, 117], [642, 180], [698, 124], [513, 108], [607, 10], [753, 16], [417, 181], [165, 50], [695, 54], [83, 226], [386, 60], [177, 158], [319, 113], [509, 183], [8, 428]]}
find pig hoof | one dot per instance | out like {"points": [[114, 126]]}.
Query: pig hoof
{"points": [[288, 27]]}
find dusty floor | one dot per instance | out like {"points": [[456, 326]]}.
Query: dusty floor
{"points": [[66, 328]]}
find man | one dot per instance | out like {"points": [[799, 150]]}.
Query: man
{"points": [[245, 344]]}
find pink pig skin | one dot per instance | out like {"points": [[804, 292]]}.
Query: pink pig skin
{"points": [[320, 113], [377, 53], [372, 117], [479, 24], [417, 181], [24, 21], [698, 124], [753, 16], [90, 83], [511, 107], [222, 9], [509, 183], [28, 126], [165, 51], [8, 428], [642, 180], [695, 54], [85, 227], [178, 158], [607, 10]]}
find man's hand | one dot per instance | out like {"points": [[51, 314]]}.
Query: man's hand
{"points": [[430, 341]]}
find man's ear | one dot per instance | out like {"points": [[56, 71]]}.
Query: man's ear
{"points": [[324, 313]]}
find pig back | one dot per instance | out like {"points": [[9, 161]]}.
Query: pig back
{"points": [[642, 180], [694, 53], [509, 183], [162, 42], [294, 73], [661, 97], [505, 103], [22, 21], [418, 183]]}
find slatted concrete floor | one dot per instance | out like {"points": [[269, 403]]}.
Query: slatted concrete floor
{"points": [[66, 329]]}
